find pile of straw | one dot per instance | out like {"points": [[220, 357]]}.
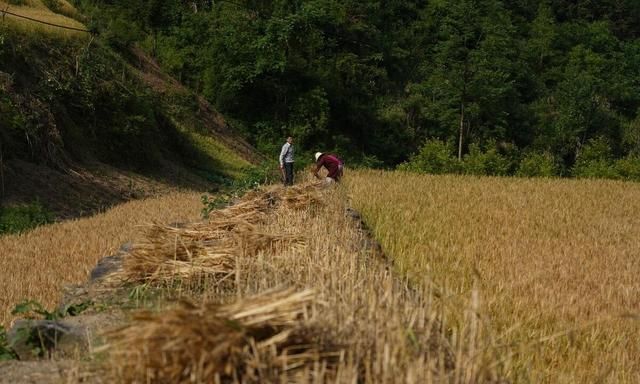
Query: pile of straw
{"points": [[303, 196], [254, 241], [252, 208], [168, 253], [210, 249], [266, 338], [191, 254]]}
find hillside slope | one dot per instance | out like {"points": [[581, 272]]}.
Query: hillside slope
{"points": [[83, 127]]}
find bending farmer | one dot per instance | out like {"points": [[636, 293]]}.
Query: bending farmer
{"points": [[286, 161], [332, 163]]}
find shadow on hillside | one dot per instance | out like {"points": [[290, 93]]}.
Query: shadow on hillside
{"points": [[91, 188]]}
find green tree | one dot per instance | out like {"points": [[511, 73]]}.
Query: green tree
{"points": [[470, 82]]}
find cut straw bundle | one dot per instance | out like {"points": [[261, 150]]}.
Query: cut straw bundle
{"points": [[303, 197], [252, 208], [168, 253], [266, 338], [209, 250], [254, 241]]}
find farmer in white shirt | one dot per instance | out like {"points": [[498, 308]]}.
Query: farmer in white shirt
{"points": [[286, 162]]}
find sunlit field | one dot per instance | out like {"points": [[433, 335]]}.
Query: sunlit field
{"points": [[284, 286], [37, 10], [344, 317], [555, 263], [36, 265]]}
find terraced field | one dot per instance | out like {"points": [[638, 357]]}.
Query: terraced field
{"points": [[37, 265], [492, 279], [551, 265]]}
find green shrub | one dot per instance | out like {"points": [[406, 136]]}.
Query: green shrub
{"points": [[490, 162], [122, 34], [538, 164], [23, 217], [595, 169], [369, 162], [595, 161], [435, 157], [6, 353], [53, 5], [628, 168]]}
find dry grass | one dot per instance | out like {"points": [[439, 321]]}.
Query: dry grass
{"points": [[388, 332], [203, 253], [37, 265], [265, 337], [37, 10], [556, 263]]}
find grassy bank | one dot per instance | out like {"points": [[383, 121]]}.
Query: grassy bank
{"points": [[554, 262], [73, 105]]}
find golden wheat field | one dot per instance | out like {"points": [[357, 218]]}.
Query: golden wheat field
{"points": [[36, 265], [555, 263]]}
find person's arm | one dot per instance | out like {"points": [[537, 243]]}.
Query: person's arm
{"points": [[315, 173], [283, 153]]}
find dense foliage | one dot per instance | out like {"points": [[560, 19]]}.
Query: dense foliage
{"points": [[23, 217], [381, 77], [66, 100]]}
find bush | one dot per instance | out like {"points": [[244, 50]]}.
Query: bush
{"points": [[628, 168], [595, 169], [23, 217], [594, 161], [122, 34], [538, 164], [490, 162], [53, 5], [369, 162], [435, 157], [6, 352]]}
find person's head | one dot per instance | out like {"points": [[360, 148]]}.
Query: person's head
{"points": [[290, 140], [318, 155]]}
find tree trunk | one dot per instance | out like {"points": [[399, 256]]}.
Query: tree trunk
{"points": [[461, 130], [1, 173], [155, 44]]}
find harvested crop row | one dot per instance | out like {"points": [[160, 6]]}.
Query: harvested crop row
{"points": [[263, 338], [363, 323]]}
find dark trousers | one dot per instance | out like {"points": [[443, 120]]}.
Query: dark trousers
{"points": [[288, 173]]}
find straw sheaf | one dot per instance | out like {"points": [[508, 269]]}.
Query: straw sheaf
{"points": [[258, 339], [252, 208], [167, 253], [213, 230], [236, 233], [255, 241], [192, 252], [303, 197]]}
